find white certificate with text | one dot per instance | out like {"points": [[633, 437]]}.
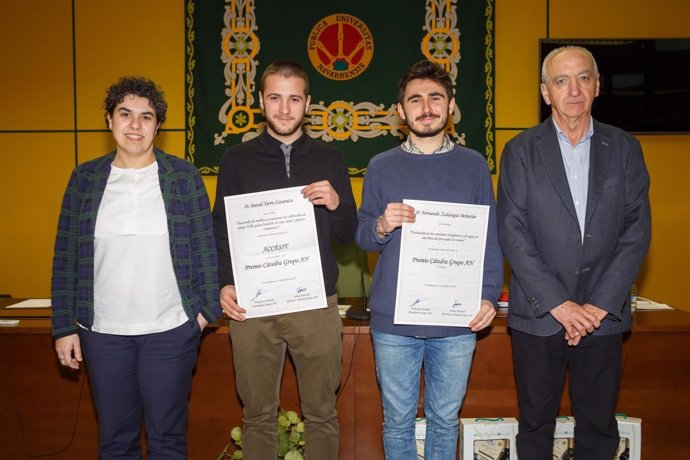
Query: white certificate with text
{"points": [[441, 264], [275, 252]]}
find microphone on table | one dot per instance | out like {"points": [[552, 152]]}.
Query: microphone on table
{"points": [[360, 314]]}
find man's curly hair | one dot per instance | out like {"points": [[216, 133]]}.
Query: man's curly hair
{"points": [[138, 86]]}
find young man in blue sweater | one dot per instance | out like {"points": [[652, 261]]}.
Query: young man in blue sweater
{"points": [[427, 166]]}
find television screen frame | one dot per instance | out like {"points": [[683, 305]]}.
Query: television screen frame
{"points": [[644, 82]]}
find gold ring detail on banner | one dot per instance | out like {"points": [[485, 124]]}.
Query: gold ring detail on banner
{"points": [[240, 44]]}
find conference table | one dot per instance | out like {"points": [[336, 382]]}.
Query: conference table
{"points": [[47, 409]]}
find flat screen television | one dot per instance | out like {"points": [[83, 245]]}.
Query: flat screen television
{"points": [[644, 83]]}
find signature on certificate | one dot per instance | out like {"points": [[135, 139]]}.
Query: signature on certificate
{"points": [[258, 293], [456, 305], [301, 290], [417, 302]]}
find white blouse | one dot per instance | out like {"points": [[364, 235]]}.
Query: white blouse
{"points": [[135, 289]]}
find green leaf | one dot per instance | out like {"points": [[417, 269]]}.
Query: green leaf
{"points": [[294, 436], [292, 416], [283, 444], [283, 421], [293, 455]]}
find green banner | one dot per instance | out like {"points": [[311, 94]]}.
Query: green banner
{"points": [[354, 51]]}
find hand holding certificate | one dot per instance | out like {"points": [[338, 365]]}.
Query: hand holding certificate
{"points": [[275, 252], [441, 264]]}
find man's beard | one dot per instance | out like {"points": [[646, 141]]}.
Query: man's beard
{"points": [[284, 131], [429, 131]]}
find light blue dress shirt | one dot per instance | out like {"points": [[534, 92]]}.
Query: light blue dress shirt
{"points": [[576, 162]]}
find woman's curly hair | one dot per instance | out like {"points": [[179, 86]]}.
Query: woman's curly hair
{"points": [[138, 86]]}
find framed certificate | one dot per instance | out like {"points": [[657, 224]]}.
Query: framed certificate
{"points": [[441, 264], [274, 250]]}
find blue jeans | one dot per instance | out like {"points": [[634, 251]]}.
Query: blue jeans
{"points": [[447, 363]]}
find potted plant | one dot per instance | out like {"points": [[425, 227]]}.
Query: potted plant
{"points": [[290, 438]]}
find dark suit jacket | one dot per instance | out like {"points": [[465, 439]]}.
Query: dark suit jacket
{"points": [[540, 234]]}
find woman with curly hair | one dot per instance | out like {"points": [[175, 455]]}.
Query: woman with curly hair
{"points": [[135, 278]]}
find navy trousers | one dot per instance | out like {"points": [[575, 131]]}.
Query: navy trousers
{"points": [[594, 376], [142, 377]]}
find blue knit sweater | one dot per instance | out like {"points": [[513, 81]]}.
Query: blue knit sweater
{"points": [[458, 176]]}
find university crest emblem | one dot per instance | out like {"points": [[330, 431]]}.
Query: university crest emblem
{"points": [[340, 46]]}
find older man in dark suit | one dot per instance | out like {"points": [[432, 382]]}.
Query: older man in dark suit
{"points": [[574, 222]]}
